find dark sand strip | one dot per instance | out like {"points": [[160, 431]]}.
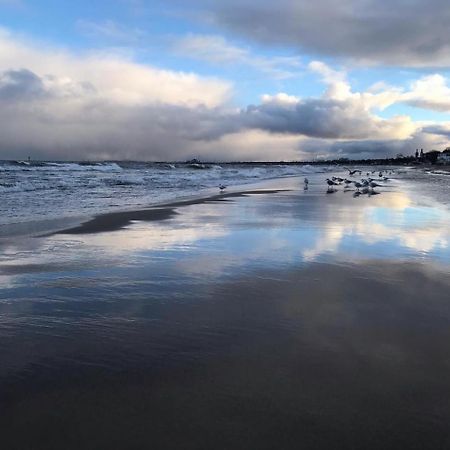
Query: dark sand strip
{"points": [[117, 220]]}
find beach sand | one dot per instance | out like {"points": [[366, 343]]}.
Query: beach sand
{"points": [[285, 319]]}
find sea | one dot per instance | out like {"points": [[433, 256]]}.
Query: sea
{"points": [[45, 190], [35, 195]]}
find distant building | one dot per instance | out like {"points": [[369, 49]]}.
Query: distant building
{"points": [[444, 157], [431, 156]]}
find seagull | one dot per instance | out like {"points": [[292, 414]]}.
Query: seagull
{"points": [[305, 186], [372, 184], [222, 187], [331, 184], [358, 185]]}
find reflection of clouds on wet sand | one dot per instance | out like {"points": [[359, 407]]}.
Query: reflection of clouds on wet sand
{"points": [[392, 221], [221, 238], [179, 233], [150, 237], [328, 242], [60, 253]]}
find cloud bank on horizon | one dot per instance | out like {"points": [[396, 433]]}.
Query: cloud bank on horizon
{"points": [[225, 80]]}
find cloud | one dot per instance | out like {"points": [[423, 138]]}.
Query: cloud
{"points": [[114, 76], [398, 33], [429, 92], [326, 118], [338, 114], [58, 105], [110, 30], [441, 129], [216, 50], [373, 148], [16, 85]]}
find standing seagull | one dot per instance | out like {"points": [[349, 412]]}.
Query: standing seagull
{"points": [[331, 189], [358, 185], [222, 187]]}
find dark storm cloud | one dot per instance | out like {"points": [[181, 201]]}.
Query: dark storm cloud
{"points": [[370, 148], [51, 119], [324, 118], [395, 32], [54, 120], [20, 84], [438, 130]]}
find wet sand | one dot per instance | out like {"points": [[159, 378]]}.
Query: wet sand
{"points": [[117, 220], [285, 320]]}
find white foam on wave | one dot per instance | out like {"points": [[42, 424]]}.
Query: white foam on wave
{"points": [[60, 166], [99, 167]]}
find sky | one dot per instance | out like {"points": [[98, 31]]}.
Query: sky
{"points": [[223, 80]]}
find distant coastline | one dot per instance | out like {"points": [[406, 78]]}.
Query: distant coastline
{"points": [[396, 161]]}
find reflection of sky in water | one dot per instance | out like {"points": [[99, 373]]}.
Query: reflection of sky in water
{"points": [[269, 230]]}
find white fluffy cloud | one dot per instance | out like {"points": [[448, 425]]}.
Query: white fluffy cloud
{"points": [[112, 76], [430, 92], [338, 114]]}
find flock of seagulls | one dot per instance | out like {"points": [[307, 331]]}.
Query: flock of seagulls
{"points": [[364, 186]]}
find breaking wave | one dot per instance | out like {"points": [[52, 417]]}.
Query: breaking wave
{"points": [[46, 189]]}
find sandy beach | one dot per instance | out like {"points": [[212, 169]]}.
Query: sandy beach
{"points": [[272, 317]]}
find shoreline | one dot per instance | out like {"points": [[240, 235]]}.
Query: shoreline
{"points": [[120, 219], [159, 210], [49, 226]]}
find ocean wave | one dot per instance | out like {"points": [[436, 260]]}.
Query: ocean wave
{"points": [[123, 181], [60, 166], [83, 166], [439, 172], [56, 188]]}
